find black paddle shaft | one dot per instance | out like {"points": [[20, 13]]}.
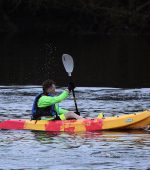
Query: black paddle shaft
{"points": [[75, 102], [74, 98]]}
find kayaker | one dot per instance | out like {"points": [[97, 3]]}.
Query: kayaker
{"points": [[46, 106]]}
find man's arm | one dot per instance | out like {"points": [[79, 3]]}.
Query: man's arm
{"points": [[45, 101]]}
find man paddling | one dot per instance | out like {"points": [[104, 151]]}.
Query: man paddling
{"points": [[46, 106]]}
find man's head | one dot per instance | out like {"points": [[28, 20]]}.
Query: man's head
{"points": [[49, 86]]}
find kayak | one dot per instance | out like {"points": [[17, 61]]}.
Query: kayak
{"points": [[138, 120]]}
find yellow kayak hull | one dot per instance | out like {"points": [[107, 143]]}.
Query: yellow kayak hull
{"points": [[138, 120], [128, 121]]}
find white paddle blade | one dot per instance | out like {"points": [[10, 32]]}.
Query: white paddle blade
{"points": [[68, 63]]}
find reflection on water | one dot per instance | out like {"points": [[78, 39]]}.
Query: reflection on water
{"points": [[92, 150]]}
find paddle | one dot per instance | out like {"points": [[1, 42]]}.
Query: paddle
{"points": [[69, 65]]}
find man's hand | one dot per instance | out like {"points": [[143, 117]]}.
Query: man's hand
{"points": [[71, 86]]}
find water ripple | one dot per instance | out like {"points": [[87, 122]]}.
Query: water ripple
{"points": [[75, 151]]}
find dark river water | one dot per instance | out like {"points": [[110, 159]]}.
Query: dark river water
{"points": [[76, 151]]}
